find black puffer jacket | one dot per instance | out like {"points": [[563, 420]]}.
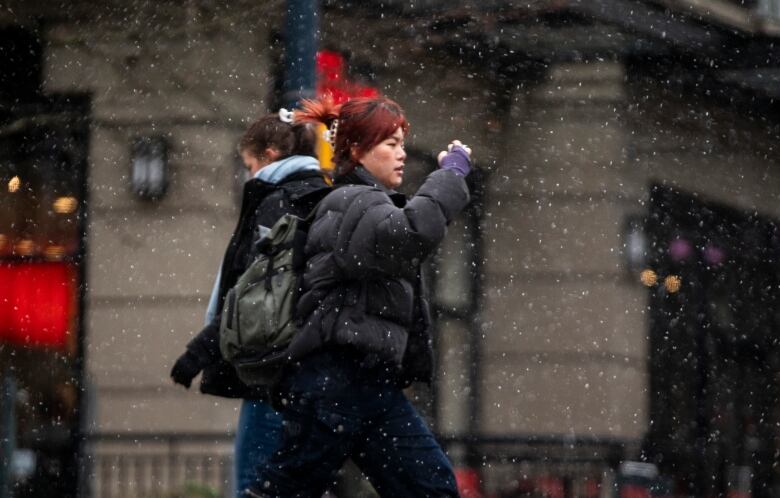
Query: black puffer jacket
{"points": [[362, 286], [262, 205]]}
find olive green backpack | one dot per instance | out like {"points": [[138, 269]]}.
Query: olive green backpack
{"points": [[258, 317]]}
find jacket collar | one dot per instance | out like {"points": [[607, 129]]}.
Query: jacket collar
{"points": [[361, 176], [278, 171], [297, 185], [303, 183]]}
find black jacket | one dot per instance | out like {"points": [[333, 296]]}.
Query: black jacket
{"points": [[262, 205], [363, 291]]}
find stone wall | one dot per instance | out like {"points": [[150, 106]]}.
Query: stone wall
{"points": [[564, 327]]}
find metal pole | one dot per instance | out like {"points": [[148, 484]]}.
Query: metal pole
{"points": [[703, 470], [7, 432], [475, 210], [302, 31], [80, 105]]}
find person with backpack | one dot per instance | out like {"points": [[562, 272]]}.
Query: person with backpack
{"points": [[364, 316], [286, 178]]}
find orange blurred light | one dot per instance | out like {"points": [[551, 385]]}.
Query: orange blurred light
{"points": [[65, 205], [24, 247], [54, 252], [14, 184], [673, 283], [648, 278]]}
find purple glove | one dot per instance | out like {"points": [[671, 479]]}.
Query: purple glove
{"points": [[457, 160]]}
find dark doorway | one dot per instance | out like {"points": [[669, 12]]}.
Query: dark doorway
{"points": [[714, 356]]}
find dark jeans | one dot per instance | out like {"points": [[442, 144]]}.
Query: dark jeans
{"points": [[257, 437], [335, 410]]}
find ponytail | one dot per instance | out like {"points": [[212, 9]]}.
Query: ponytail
{"points": [[323, 111]]}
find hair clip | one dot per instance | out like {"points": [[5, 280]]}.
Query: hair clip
{"points": [[330, 135], [285, 116]]}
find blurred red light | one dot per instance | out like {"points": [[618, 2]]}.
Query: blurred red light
{"points": [[330, 65], [634, 491], [366, 91], [468, 483], [332, 79], [37, 303]]}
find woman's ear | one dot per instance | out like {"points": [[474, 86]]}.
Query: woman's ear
{"points": [[353, 154], [272, 154]]}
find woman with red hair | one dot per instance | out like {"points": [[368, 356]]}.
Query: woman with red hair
{"points": [[364, 315]]}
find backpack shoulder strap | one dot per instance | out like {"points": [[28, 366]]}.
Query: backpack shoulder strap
{"points": [[309, 219]]}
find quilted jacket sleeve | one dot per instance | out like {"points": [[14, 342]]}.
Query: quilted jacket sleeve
{"points": [[376, 235]]}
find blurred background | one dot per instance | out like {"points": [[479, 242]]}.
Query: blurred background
{"points": [[607, 306]]}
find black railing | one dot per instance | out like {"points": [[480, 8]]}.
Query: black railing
{"points": [[550, 466]]}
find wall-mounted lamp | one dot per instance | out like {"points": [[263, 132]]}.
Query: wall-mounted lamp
{"points": [[149, 167], [635, 244]]}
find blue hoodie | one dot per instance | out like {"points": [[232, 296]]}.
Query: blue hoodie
{"points": [[273, 173], [279, 170]]}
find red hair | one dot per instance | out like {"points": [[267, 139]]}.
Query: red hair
{"points": [[362, 123]]}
